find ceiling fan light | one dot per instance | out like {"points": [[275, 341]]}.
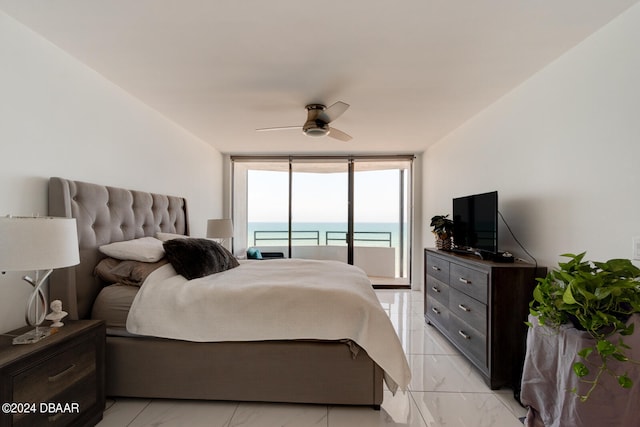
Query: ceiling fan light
{"points": [[316, 131]]}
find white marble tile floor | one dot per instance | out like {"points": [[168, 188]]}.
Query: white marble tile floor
{"points": [[445, 391]]}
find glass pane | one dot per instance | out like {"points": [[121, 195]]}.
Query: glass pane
{"points": [[381, 220], [319, 202], [268, 210]]}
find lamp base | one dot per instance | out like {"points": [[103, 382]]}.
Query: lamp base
{"points": [[33, 336]]}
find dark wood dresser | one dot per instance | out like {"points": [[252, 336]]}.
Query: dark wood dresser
{"points": [[480, 307], [58, 381]]}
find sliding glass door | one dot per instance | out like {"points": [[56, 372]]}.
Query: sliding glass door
{"points": [[381, 219], [319, 208], [350, 209]]}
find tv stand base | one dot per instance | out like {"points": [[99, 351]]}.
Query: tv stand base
{"points": [[485, 255]]}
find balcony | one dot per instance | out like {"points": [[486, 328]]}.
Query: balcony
{"points": [[374, 251]]}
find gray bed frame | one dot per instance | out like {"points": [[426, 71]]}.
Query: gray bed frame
{"points": [[322, 372]]}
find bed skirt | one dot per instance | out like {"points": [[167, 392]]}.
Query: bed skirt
{"points": [[318, 372]]}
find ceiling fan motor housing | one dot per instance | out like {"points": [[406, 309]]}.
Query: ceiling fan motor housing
{"points": [[314, 126]]}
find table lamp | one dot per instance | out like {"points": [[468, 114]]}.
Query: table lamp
{"points": [[39, 244], [220, 229]]}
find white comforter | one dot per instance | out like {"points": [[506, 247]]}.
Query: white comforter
{"points": [[272, 300]]}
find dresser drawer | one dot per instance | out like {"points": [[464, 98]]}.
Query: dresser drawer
{"points": [[469, 310], [437, 313], [437, 290], [469, 340], [60, 372], [469, 281], [438, 268]]}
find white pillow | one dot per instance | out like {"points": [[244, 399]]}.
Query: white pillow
{"points": [[145, 249], [163, 237]]}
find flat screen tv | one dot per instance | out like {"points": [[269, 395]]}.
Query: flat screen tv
{"points": [[475, 222]]}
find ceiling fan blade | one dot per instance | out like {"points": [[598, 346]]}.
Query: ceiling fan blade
{"points": [[339, 135], [333, 112], [279, 128]]}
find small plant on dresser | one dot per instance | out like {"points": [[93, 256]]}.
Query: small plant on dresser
{"points": [[443, 230]]}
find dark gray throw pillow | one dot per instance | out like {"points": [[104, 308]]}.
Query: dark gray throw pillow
{"points": [[194, 258]]}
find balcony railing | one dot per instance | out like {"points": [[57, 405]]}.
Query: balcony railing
{"points": [[313, 236], [367, 236]]}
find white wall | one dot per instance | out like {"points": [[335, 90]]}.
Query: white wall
{"points": [[563, 151], [60, 118]]}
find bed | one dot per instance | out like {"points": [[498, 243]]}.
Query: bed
{"points": [[321, 371]]}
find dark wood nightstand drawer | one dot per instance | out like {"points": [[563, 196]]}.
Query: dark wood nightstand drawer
{"points": [[61, 371], [71, 401], [472, 282]]}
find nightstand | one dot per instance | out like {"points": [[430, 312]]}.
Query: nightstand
{"points": [[58, 381]]}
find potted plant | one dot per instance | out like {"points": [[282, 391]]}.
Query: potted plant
{"points": [[597, 297], [443, 230]]}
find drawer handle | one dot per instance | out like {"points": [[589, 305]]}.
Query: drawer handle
{"points": [[435, 310], [56, 377], [463, 308], [463, 280], [435, 289], [463, 335], [435, 268]]}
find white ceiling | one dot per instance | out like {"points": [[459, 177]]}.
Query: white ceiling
{"points": [[412, 70]]}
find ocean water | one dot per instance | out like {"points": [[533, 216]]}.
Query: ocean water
{"points": [[384, 234]]}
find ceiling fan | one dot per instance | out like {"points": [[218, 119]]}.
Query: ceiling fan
{"points": [[318, 118]]}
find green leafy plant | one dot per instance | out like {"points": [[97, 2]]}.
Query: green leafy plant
{"points": [[597, 297], [442, 226]]}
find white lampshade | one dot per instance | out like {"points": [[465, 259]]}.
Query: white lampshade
{"points": [[219, 228], [37, 243]]}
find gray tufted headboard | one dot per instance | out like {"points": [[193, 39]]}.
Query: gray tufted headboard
{"points": [[105, 215]]}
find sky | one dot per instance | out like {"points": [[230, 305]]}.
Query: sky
{"points": [[323, 197]]}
